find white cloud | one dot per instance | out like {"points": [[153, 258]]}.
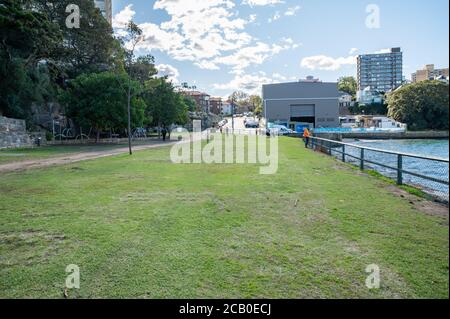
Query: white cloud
{"points": [[121, 19], [323, 62], [168, 70], [292, 11], [253, 3], [383, 51], [252, 18], [353, 51], [250, 84], [209, 33], [275, 17]]}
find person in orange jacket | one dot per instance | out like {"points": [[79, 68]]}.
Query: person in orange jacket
{"points": [[306, 136]]}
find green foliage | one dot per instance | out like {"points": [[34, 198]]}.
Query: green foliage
{"points": [[26, 37], [423, 105], [165, 106], [97, 100], [348, 85], [190, 103], [91, 48]]}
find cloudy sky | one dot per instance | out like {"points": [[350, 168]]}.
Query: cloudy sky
{"points": [[226, 45]]}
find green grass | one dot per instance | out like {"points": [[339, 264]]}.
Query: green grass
{"points": [[142, 227]]}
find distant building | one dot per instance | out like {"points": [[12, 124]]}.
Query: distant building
{"points": [[105, 7], [227, 108], [380, 72], [310, 79], [345, 99], [369, 96], [216, 105], [301, 104], [201, 99], [429, 73]]}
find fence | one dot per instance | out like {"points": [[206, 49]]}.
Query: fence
{"points": [[430, 174]]}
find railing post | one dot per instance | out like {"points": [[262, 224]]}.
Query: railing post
{"points": [[361, 166], [343, 153], [400, 169]]}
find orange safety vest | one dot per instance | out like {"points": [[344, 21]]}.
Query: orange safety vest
{"points": [[306, 133]]}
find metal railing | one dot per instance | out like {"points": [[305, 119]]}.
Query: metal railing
{"points": [[430, 174]]}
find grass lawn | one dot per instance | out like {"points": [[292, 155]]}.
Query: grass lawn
{"points": [[142, 227]]}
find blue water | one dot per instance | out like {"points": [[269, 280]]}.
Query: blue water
{"points": [[428, 148], [435, 148]]}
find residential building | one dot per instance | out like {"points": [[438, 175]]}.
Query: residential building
{"points": [[368, 96], [105, 7], [345, 99], [380, 73], [429, 73], [201, 99], [301, 104], [216, 105]]}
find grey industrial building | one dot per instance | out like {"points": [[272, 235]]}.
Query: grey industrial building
{"points": [[301, 104]]}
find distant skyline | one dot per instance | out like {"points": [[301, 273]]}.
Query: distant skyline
{"points": [[226, 45]]}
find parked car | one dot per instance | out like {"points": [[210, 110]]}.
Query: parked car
{"points": [[280, 129], [251, 124]]}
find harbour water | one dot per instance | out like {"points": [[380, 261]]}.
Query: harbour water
{"points": [[434, 148], [428, 148]]}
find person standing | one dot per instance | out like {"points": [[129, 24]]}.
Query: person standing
{"points": [[306, 136], [164, 133]]}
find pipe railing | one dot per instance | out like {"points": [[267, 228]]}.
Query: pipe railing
{"points": [[433, 178]]}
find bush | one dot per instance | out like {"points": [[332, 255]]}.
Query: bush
{"points": [[423, 105]]}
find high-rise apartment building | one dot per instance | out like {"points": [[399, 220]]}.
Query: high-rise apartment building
{"points": [[105, 7], [380, 72], [429, 73]]}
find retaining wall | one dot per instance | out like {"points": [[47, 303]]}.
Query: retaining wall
{"points": [[13, 133]]}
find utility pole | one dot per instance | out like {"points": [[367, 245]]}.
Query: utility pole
{"points": [[129, 117], [232, 115]]}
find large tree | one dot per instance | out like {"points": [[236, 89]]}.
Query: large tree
{"points": [[27, 37], [90, 48], [165, 105], [97, 100], [423, 105], [348, 85]]}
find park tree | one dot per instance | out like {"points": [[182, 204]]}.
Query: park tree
{"points": [[97, 100], [423, 105], [27, 37], [90, 48], [165, 105], [348, 85], [190, 103], [256, 104]]}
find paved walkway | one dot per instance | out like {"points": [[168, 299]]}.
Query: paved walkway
{"points": [[73, 158]]}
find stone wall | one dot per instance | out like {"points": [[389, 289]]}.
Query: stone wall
{"points": [[13, 133]]}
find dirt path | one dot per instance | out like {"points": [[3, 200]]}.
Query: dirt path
{"points": [[73, 158]]}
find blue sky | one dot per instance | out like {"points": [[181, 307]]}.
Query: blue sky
{"points": [[225, 45]]}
